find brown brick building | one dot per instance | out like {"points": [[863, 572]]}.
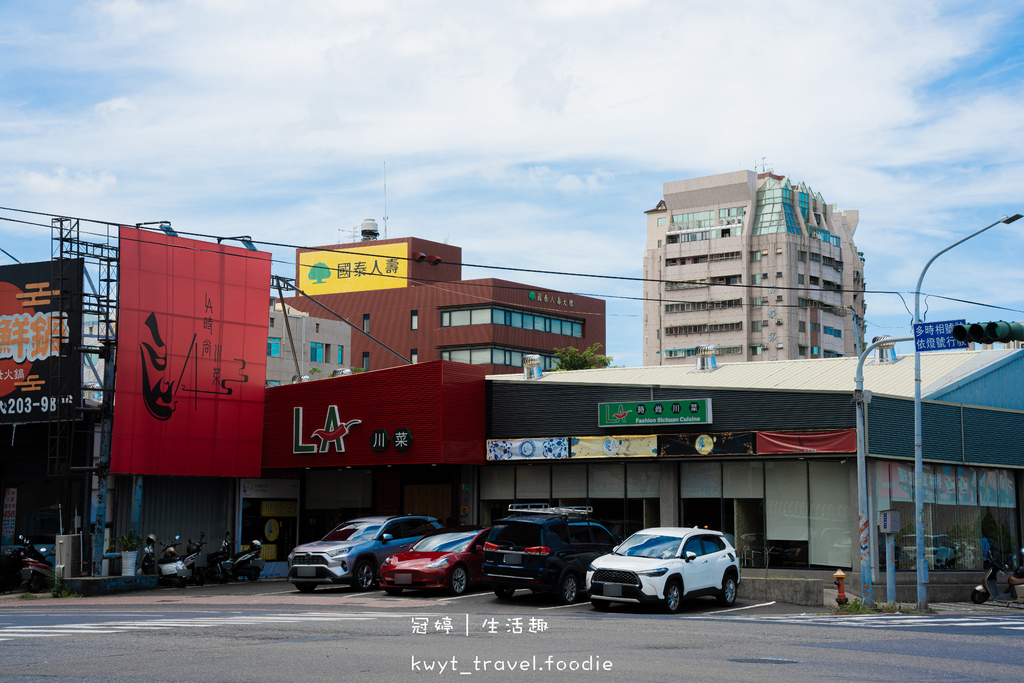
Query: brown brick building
{"points": [[408, 293]]}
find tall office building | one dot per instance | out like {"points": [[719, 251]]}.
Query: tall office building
{"points": [[759, 267]]}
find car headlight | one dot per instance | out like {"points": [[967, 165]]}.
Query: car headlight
{"points": [[386, 563], [438, 563], [337, 552], [591, 567], [661, 571]]}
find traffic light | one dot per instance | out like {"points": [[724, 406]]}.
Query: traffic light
{"points": [[988, 333]]}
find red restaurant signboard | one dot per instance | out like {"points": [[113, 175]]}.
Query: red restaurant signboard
{"points": [[192, 358]]}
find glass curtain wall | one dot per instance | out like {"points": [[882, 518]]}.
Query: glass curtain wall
{"points": [[787, 513], [968, 512]]}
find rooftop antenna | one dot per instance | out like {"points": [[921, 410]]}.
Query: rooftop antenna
{"points": [[764, 164], [385, 200]]}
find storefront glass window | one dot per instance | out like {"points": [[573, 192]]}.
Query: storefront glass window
{"points": [[701, 490], [533, 483], [497, 490], [333, 497], [786, 513], [607, 494], [643, 497], [743, 510], [830, 542]]}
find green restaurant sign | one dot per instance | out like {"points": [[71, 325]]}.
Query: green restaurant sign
{"points": [[696, 411]]}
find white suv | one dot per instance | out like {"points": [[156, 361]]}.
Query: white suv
{"points": [[665, 565]]}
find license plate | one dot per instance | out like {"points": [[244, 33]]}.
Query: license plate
{"points": [[403, 579], [513, 559], [305, 571], [613, 590]]}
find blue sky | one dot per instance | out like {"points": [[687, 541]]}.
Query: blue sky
{"points": [[531, 134]]}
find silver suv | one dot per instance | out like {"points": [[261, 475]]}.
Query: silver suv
{"points": [[353, 551]]}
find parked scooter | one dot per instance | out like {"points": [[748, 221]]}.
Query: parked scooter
{"points": [[148, 565], [195, 562], [10, 569], [171, 570], [989, 588], [36, 569], [218, 564], [248, 564]]}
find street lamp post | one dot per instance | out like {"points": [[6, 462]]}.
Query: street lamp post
{"points": [[922, 569], [863, 522]]}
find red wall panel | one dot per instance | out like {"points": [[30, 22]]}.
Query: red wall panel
{"points": [[191, 364], [442, 404]]}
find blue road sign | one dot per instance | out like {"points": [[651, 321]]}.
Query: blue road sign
{"points": [[937, 336]]}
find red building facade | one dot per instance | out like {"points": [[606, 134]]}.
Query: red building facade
{"points": [[408, 294]]}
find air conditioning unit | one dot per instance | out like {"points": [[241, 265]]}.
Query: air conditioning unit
{"points": [[722, 222], [736, 221], [764, 347], [780, 346]]}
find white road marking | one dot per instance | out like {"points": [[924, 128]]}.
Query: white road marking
{"points": [[736, 609], [575, 604]]}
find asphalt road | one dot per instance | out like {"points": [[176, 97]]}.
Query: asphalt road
{"points": [[266, 631]]}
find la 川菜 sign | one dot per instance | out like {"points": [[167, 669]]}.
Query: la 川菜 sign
{"points": [[654, 413]]}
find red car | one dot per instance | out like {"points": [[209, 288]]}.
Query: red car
{"points": [[451, 559]]}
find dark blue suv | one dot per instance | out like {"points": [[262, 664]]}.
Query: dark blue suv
{"points": [[544, 550]]}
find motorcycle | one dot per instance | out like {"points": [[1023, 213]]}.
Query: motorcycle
{"points": [[171, 570], [218, 564], [148, 565], [989, 588], [36, 569], [195, 562], [248, 564], [10, 569]]}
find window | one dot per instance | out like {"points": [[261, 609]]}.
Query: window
{"points": [[316, 352], [800, 278], [801, 350], [801, 326], [414, 320], [755, 326], [778, 297], [814, 281], [661, 221], [414, 355], [778, 273], [327, 353], [341, 354], [755, 255], [759, 300], [317, 328], [366, 323], [366, 360], [755, 350], [815, 327], [815, 350], [271, 321], [273, 382], [801, 256], [274, 347]]}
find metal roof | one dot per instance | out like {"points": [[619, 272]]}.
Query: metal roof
{"points": [[939, 370]]}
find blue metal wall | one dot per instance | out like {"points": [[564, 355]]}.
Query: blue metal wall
{"points": [[997, 386]]}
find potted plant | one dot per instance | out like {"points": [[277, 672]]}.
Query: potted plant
{"points": [[129, 545]]}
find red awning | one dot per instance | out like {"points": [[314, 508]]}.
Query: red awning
{"points": [[844, 441]]}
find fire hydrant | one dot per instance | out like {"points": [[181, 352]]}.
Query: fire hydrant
{"points": [[841, 599]]}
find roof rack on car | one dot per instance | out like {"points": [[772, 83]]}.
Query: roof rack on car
{"points": [[545, 509]]}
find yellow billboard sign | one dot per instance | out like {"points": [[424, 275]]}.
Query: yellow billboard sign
{"points": [[357, 269]]}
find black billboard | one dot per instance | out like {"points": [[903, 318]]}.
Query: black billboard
{"points": [[40, 338]]}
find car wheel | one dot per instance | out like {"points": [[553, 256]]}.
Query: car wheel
{"points": [[727, 596], [363, 576], [600, 605], [504, 593], [305, 587], [568, 590], [458, 581], [673, 597], [392, 590], [978, 597]]}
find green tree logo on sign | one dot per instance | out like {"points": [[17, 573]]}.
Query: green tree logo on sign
{"points": [[319, 273]]}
